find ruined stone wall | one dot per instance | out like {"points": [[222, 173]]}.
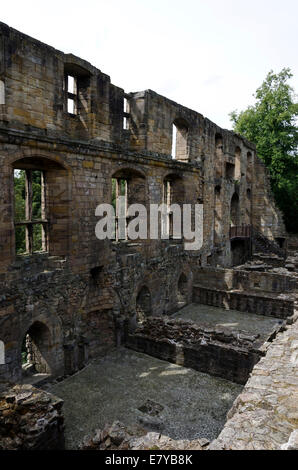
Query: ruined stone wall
{"points": [[83, 288], [267, 218], [33, 75], [275, 305], [228, 355], [229, 279]]}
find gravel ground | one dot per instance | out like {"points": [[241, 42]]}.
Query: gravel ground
{"points": [[113, 388], [207, 316]]}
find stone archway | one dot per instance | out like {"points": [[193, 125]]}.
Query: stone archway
{"points": [[36, 350], [143, 304]]}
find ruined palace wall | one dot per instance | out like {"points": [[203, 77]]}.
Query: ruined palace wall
{"points": [[83, 288], [231, 356], [80, 299], [35, 96], [267, 218], [80, 182], [228, 279], [83, 312], [152, 117]]}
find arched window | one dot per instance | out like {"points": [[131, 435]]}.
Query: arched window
{"points": [[235, 210], [2, 92], [40, 198], [143, 304], [237, 163], [179, 140]]}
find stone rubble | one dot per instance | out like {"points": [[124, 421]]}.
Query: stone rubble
{"points": [[30, 419], [120, 437]]}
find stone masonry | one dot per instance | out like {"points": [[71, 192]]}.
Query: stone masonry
{"points": [[265, 415], [78, 297]]}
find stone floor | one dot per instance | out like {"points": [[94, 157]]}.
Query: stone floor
{"points": [[265, 415], [210, 317], [188, 404]]}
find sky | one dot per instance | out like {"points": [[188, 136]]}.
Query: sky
{"points": [[208, 55]]}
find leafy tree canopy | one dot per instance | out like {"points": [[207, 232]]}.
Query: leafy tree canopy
{"points": [[272, 125]]}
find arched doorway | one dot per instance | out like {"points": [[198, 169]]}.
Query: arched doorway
{"points": [[182, 292], [36, 349], [143, 304]]}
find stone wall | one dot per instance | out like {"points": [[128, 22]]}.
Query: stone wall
{"points": [[279, 306], [82, 289], [230, 355], [264, 416], [258, 281]]}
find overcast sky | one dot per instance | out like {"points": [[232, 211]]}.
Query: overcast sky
{"points": [[209, 55]]}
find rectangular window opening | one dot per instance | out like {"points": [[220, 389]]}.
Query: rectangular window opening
{"points": [[71, 84], [29, 211], [120, 188], [230, 171], [71, 94], [174, 141], [167, 227], [70, 106], [19, 195], [125, 111]]}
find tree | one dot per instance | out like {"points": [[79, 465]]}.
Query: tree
{"points": [[272, 125]]}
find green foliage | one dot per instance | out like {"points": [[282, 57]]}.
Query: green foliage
{"points": [[19, 209], [36, 195], [20, 212], [272, 125]]}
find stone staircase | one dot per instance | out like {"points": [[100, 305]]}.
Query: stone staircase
{"points": [[262, 244]]}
